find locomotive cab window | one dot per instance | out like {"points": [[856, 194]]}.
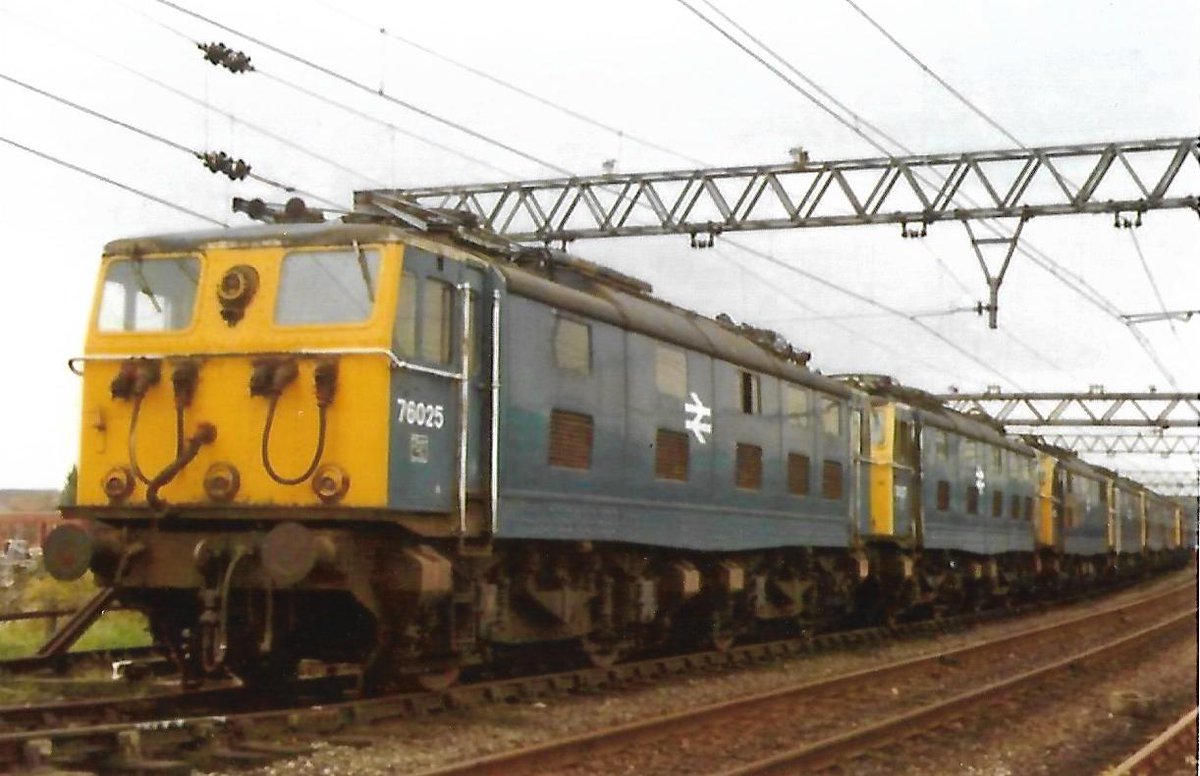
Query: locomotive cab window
{"points": [[406, 316], [436, 320], [572, 346], [327, 287], [148, 295]]}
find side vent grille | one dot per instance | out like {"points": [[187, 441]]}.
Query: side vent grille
{"points": [[749, 467], [570, 440], [671, 455], [797, 474], [831, 479]]}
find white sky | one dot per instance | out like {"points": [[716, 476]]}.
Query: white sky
{"points": [[1063, 72]]}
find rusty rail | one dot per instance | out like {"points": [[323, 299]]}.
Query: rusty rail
{"points": [[49, 614], [560, 754], [239, 738], [841, 748], [78, 623], [37, 614], [1179, 740]]}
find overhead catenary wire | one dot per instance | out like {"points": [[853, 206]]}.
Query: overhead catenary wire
{"points": [[882, 306], [829, 284], [544, 101], [350, 109], [835, 322], [1071, 280], [267, 133], [961, 97], [345, 79], [1162, 305], [1077, 284], [123, 186], [1008, 134], [473, 133], [154, 136], [361, 86]]}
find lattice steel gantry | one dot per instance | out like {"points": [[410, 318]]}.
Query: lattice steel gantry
{"points": [[918, 189], [1149, 409], [913, 191]]}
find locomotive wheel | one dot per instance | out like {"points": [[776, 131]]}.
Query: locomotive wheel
{"points": [[266, 672], [437, 680], [600, 654]]}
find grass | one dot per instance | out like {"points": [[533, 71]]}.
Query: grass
{"points": [[36, 590]]}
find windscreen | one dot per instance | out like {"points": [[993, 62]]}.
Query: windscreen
{"points": [[148, 295], [327, 287]]}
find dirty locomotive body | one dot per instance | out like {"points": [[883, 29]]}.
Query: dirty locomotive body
{"points": [[359, 443]]}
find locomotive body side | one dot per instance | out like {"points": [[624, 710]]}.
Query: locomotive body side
{"points": [[362, 443], [694, 430]]}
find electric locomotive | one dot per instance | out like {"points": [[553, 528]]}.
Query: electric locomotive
{"points": [[354, 442], [357, 442]]}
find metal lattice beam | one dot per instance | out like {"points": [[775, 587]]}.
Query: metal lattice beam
{"points": [[1115, 444], [1134, 176], [1137, 410], [1169, 483]]}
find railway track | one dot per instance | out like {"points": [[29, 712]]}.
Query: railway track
{"points": [[1167, 753], [175, 733], [843, 716]]}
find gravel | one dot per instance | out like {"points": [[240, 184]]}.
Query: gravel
{"points": [[421, 744]]}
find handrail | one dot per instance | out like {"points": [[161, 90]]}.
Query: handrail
{"points": [[397, 362]]}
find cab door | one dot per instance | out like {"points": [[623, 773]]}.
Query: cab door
{"points": [[439, 385], [906, 485]]}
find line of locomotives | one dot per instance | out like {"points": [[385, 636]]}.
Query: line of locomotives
{"points": [[356, 442]]}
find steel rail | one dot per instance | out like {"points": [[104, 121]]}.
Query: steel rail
{"points": [[63, 661], [808, 194], [561, 753], [870, 737], [1177, 740], [242, 736]]}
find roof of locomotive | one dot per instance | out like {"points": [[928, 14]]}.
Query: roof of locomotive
{"points": [[287, 235], [934, 412], [567, 283]]}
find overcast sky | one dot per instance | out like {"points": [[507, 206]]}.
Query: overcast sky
{"points": [[1070, 71]]}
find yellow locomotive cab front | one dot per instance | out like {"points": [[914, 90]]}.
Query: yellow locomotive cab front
{"points": [[238, 375]]}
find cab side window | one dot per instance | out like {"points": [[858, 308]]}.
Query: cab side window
{"points": [[424, 327], [405, 332], [436, 321]]}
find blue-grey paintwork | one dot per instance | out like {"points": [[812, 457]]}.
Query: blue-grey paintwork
{"points": [[707, 512], [955, 528]]}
